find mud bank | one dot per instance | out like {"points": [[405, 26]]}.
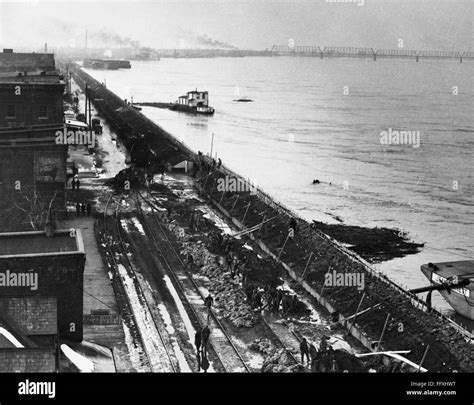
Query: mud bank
{"points": [[373, 244]]}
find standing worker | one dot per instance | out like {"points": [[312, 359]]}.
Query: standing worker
{"points": [[89, 209], [190, 263], [304, 349], [198, 359], [323, 346], [204, 363], [209, 301], [197, 340]]}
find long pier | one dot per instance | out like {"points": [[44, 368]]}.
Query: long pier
{"points": [[370, 53]]}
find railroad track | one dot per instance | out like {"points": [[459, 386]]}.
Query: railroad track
{"points": [[152, 345], [222, 343], [279, 336]]}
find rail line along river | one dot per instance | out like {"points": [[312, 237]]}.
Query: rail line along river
{"points": [[324, 119]]}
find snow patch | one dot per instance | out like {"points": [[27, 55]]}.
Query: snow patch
{"points": [[219, 222], [183, 364], [82, 363], [133, 351], [184, 315], [255, 360], [124, 225], [139, 226], [150, 336]]}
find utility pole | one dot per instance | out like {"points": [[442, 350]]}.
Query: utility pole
{"points": [[212, 143], [85, 47], [85, 107], [90, 111]]}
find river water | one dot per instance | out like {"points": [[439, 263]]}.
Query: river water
{"points": [[323, 119]]}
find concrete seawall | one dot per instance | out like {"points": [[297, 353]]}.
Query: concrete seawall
{"points": [[410, 325]]}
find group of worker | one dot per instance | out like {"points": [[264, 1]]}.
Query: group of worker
{"points": [[271, 299], [236, 266], [204, 167], [75, 183], [83, 208], [322, 360], [195, 221]]}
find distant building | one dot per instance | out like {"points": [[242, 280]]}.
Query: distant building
{"points": [[32, 165], [33, 266]]}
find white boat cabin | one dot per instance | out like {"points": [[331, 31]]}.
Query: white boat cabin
{"points": [[195, 99]]}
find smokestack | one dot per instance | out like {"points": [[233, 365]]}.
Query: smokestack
{"points": [[45, 47], [85, 48]]}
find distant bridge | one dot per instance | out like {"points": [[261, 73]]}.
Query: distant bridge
{"points": [[329, 52]]}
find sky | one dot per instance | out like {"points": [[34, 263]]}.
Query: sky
{"points": [[246, 24]]}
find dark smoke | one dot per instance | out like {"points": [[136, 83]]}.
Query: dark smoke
{"points": [[112, 39], [207, 41]]}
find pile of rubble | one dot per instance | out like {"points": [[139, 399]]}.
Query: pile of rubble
{"points": [[201, 256], [227, 295], [228, 298], [275, 360]]}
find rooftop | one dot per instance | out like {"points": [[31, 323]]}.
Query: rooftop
{"points": [[51, 77], [37, 244], [21, 62]]}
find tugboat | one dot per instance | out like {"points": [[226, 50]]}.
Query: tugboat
{"points": [[194, 102], [454, 282]]}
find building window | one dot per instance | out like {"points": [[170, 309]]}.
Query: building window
{"points": [[11, 111], [43, 111]]}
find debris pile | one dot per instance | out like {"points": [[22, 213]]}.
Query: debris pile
{"points": [[275, 360], [228, 297]]}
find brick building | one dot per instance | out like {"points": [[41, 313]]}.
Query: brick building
{"points": [[32, 166], [28, 334], [29, 62], [33, 265]]}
